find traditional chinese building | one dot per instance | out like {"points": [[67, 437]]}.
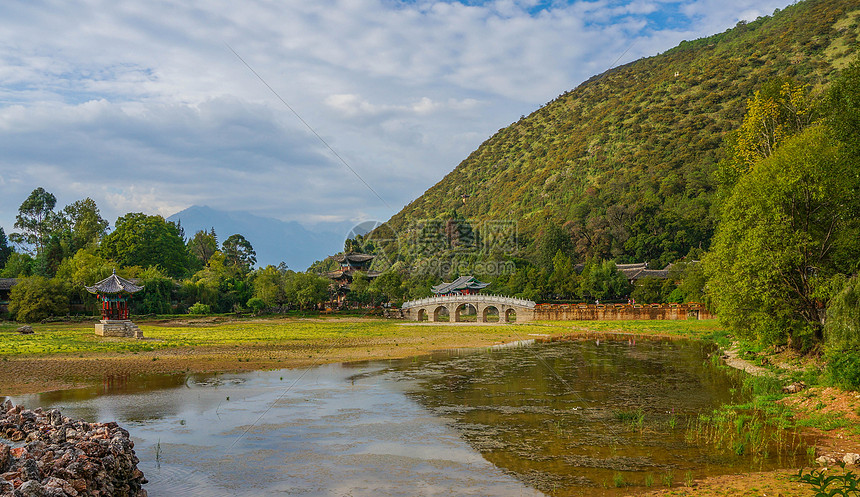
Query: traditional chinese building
{"points": [[113, 293], [464, 285], [349, 265]]}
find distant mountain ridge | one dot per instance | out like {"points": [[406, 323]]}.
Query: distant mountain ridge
{"points": [[273, 240], [627, 160]]}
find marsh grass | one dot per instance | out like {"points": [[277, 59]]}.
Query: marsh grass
{"points": [[635, 417]]}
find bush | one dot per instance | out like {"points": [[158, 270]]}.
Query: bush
{"points": [[36, 298], [256, 304], [843, 369], [842, 327], [199, 308]]}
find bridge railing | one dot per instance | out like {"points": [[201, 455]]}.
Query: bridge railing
{"points": [[469, 299]]}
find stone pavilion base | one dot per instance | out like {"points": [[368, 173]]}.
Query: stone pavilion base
{"points": [[118, 328]]}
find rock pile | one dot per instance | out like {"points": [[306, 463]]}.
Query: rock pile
{"points": [[56, 456]]}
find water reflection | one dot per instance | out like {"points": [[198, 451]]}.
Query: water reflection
{"points": [[585, 418], [565, 418], [331, 430]]}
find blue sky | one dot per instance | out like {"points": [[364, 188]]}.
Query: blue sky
{"points": [[142, 106]]}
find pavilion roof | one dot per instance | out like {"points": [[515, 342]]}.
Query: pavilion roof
{"points": [[353, 257], [461, 283], [114, 284]]}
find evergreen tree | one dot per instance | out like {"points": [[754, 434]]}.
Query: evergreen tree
{"points": [[5, 249]]}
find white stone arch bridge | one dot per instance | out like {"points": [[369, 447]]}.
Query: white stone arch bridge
{"points": [[508, 309]]}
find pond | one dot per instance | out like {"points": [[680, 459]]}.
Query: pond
{"points": [[564, 418]]}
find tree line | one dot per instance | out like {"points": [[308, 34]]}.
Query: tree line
{"points": [[58, 252]]}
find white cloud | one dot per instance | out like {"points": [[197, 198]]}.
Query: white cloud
{"points": [[143, 106]]}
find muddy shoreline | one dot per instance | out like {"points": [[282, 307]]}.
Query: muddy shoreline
{"points": [[41, 374]]}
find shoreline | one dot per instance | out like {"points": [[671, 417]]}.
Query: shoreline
{"points": [[68, 371]]}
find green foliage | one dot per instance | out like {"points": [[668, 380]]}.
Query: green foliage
{"points": [[843, 369], [306, 290], [826, 484], [203, 245], [18, 264], [157, 293], [790, 224], [842, 327], [146, 241], [36, 219], [36, 298], [563, 281], [256, 304], [601, 280], [626, 161], [199, 308], [5, 249], [238, 252], [550, 242], [268, 284], [83, 220], [389, 286], [842, 107], [649, 290]]}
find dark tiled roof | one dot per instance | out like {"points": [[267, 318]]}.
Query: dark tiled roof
{"points": [[353, 257], [114, 284], [7, 283], [460, 283]]}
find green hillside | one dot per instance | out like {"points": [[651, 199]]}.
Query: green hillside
{"points": [[626, 161]]}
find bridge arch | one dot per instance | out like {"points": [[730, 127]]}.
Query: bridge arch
{"points": [[462, 310], [441, 313], [511, 315], [491, 314], [422, 315]]}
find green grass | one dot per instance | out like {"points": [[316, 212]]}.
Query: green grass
{"points": [[706, 329], [77, 338]]}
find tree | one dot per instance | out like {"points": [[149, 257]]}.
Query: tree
{"points": [[157, 293], [5, 249], [563, 281], [203, 245], [146, 241], [551, 240], [842, 107], [648, 290], [842, 328], [780, 109], [36, 298], [602, 279], [389, 284], [35, 219], [238, 252], [85, 222], [306, 290], [18, 265], [789, 226], [268, 285]]}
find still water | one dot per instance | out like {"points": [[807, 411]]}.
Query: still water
{"points": [[566, 418]]}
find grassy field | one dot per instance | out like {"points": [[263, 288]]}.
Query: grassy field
{"points": [[63, 339]]}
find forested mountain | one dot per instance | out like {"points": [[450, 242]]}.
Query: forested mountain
{"points": [[626, 162]]}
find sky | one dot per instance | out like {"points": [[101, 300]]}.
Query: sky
{"points": [[321, 112]]}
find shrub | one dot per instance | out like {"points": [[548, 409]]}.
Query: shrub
{"points": [[843, 369], [256, 304], [199, 308], [36, 298], [842, 327]]}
